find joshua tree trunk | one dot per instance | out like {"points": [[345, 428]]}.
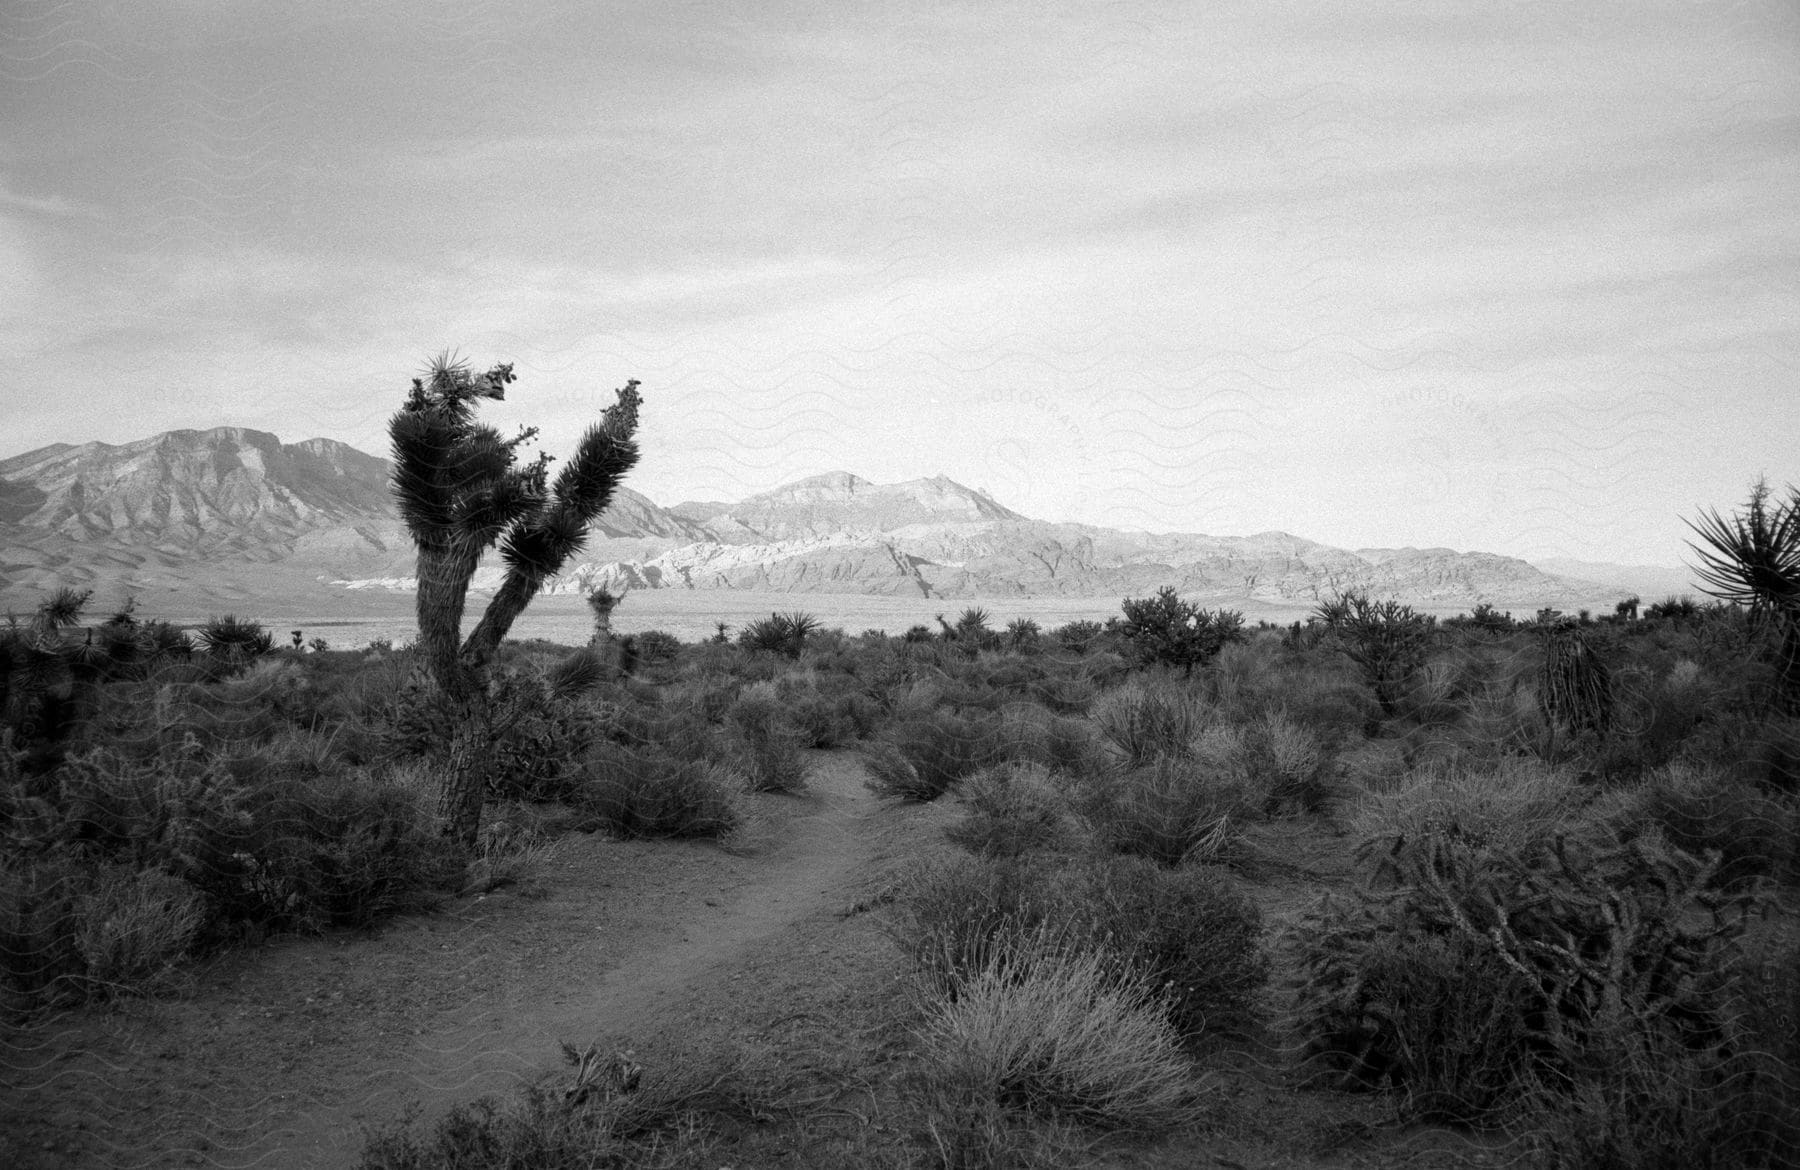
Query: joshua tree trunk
{"points": [[467, 764]]}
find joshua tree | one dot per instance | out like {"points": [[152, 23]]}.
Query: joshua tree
{"points": [[603, 601], [461, 490]]}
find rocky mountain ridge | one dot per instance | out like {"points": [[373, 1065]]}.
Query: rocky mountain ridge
{"points": [[188, 504]]}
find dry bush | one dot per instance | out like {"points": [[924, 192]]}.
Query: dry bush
{"points": [[506, 852], [1517, 801], [920, 758], [1013, 809], [1288, 769], [606, 1113], [1172, 811], [134, 926], [1699, 808], [767, 744], [1147, 722], [1062, 1033], [651, 794], [1190, 931]]}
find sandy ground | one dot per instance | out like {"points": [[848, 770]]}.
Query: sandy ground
{"points": [[277, 1057]]}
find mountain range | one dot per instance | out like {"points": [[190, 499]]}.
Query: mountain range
{"points": [[240, 514]]}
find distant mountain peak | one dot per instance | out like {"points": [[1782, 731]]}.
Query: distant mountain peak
{"points": [[188, 506]]}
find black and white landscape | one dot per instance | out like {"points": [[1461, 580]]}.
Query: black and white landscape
{"points": [[195, 511]]}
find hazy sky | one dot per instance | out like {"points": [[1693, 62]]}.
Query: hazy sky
{"points": [[1518, 277]]}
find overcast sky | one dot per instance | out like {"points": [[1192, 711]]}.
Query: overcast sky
{"points": [[1522, 278]]}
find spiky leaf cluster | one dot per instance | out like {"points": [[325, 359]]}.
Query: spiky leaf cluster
{"points": [[781, 633], [1753, 558], [462, 489]]}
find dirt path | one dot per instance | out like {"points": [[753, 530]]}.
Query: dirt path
{"points": [[281, 1055]]}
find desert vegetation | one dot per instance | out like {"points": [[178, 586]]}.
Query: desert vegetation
{"points": [[1520, 881]]}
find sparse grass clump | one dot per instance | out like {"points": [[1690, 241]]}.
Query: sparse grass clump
{"points": [[1062, 1033]]}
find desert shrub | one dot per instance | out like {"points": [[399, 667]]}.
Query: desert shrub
{"points": [[920, 758], [768, 746], [1058, 1033], [1080, 635], [1504, 806], [1770, 756], [539, 734], [134, 925], [1658, 712], [1172, 811], [1011, 809], [656, 646], [708, 696], [1288, 769], [132, 863], [1473, 978], [1147, 722], [1064, 692], [1702, 809], [271, 845], [291, 853], [1033, 734], [1191, 931], [647, 793], [606, 1111], [1436, 694], [40, 917], [827, 721]]}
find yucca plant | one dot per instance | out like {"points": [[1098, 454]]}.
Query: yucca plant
{"points": [[461, 490], [231, 639], [1753, 559], [781, 633]]}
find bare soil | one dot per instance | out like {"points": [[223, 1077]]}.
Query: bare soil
{"points": [[282, 1055]]}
